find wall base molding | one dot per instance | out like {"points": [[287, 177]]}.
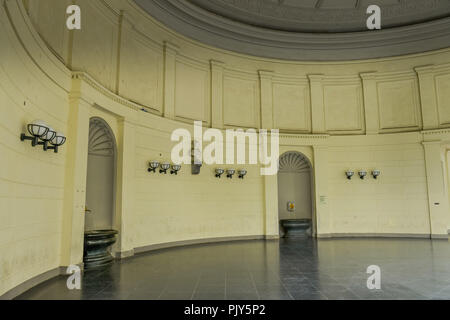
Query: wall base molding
{"points": [[440, 236], [40, 278], [383, 235], [30, 283], [130, 253], [201, 241]]}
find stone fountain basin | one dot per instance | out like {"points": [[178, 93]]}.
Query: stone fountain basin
{"points": [[296, 227], [96, 244]]}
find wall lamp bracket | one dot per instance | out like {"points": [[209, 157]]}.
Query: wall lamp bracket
{"points": [[376, 174], [230, 173], [219, 173], [349, 174], [242, 173], [34, 140], [362, 174], [164, 167], [175, 169], [153, 165]]}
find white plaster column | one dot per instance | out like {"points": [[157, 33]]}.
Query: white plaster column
{"points": [[266, 99], [321, 200], [437, 194], [271, 224], [125, 191], [170, 53], [317, 104], [217, 94], [75, 178], [370, 102], [428, 98]]}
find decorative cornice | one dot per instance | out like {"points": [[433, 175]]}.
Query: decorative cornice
{"points": [[224, 33], [171, 48], [98, 87], [435, 132], [304, 136]]}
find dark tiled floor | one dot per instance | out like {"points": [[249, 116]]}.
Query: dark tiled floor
{"points": [[288, 269]]}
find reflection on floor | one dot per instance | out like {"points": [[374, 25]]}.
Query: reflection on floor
{"points": [[285, 269]]}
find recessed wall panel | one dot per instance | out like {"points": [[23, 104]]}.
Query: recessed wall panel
{"points": [[291, 107]]}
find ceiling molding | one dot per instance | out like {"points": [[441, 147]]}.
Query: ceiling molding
{"points": [[221, 32]]}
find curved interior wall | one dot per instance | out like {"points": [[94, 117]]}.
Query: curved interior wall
{"points": [[390, 114]]}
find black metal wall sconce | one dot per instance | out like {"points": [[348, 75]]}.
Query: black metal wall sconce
{"points": [[164, 167], [219, 173], [175, 169], [362, 174], [376, 174], [349, 174], [242, 173], [230, 173], [39, 130], [153, 165]]}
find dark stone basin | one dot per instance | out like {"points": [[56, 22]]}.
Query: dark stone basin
{"points": [[296, 227], [96, 244]]}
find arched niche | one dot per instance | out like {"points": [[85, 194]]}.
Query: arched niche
{"points": [[101, 176], [295, 185]]}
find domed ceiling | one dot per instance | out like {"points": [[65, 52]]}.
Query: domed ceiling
{"points": [[308, 29], [324, 15]]}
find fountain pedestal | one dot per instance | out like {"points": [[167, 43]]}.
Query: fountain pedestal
{"points": [[296, 227], [96, 244]]}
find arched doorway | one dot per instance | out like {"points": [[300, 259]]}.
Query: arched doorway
{"points": [[100, 190], [295, 205], [100, 176]]}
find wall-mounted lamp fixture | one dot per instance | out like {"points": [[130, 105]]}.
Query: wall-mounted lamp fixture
{"points": [[57, 142], [153, 166], [46, 138], [362, 174], [164, 167], [175, 169], [230, 173], [349, 174], [376, 173], [219, 172], [242, 173], [39, 130]]}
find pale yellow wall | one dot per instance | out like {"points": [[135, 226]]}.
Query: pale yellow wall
{"points": [[340, 115], [171, 208], [31, 181], [396, 202]]}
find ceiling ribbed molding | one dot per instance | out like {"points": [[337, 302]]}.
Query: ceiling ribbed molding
{"points": [[101, 139], [308, 30], [293, 162]]}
